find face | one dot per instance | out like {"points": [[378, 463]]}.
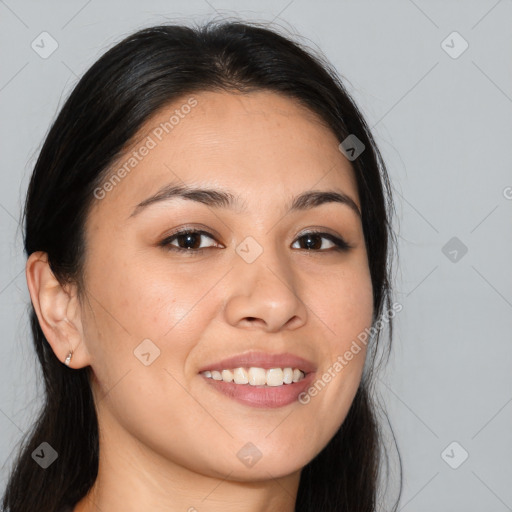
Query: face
{"points": [[254, 279]]}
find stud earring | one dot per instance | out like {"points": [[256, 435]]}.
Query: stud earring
{"points": [[68, 358]]}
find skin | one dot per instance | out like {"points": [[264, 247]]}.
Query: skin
{"points": [[168, 441]]}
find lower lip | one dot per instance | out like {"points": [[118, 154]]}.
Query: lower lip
{"points": [[262, 396]]}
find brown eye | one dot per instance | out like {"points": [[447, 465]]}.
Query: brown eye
{"points": [[188, 240], [313, 241]]}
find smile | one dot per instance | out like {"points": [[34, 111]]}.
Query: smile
{"points": [[244, 386], [257, 376]]}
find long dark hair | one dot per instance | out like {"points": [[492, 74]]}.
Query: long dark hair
{"points": [[102, 115]]}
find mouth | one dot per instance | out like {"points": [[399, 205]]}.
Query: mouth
{"points": [[255, 376], [260, 380]]}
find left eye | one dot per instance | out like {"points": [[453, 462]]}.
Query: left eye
{"points": [[311, 238]]}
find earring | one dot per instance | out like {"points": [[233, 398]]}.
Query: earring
{"points": [[68, 358]]}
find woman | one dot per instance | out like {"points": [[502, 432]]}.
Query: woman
{"points": [[207, 230]]}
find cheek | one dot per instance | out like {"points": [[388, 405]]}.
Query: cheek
{"points": [[345, 307], [164, 313], [139, 308], [344, 302], [140, 300]]}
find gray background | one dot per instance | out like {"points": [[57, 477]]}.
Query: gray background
{"points": [[444, 127]]}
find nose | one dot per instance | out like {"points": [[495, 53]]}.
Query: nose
{"points": [[265, 294]]}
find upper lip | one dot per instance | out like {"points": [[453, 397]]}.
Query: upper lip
{"points": [[262, 360]]}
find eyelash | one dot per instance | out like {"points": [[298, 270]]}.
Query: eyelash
{"points": [[340, 244]]}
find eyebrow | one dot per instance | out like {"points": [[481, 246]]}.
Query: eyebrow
{"points": [[225, 199]]}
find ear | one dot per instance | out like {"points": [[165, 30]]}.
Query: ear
{"points": [[58, 310]]}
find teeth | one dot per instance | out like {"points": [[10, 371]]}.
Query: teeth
{"points": [[227, 375], [275, 377], [257, 376], [240, 376]]}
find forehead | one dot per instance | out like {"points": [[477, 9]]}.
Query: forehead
{"points": [[261, 145]]}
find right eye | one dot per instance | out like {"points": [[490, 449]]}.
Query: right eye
{"points": [[189, 238]]}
